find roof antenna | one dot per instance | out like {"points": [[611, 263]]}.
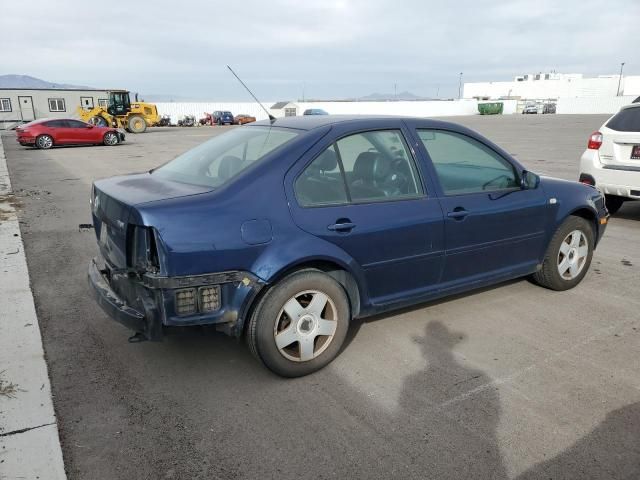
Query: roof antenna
{"points": [[271, 117]]}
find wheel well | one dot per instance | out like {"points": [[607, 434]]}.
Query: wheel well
{"points": [[338, 273], [589, 216]]}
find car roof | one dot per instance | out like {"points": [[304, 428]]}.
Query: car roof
{"points": [[631, 105], [309, 122]]}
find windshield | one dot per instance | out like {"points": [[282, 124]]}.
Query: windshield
{"points": [[217, 161]]}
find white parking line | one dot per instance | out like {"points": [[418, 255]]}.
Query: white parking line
{"points": [[29, 442]]}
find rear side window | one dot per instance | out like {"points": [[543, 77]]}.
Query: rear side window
{"points": [[627, 120], [217, 161], [465, 165], [322, 183]]}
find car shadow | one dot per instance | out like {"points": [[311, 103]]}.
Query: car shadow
{"points": [[630, 210], [610, 450], [357, 323]]}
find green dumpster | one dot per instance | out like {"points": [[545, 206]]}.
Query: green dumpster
{"points": [[492, 108]]}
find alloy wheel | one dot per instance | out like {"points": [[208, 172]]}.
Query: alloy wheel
{"points": [[305, 326], [572, 255]]}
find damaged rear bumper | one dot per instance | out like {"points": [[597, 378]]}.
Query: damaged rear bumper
{"points": [[111, 303], [148, 304]]}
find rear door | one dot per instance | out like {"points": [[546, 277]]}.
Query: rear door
{"points": [[365, 194], [58, 130], [621, 140], [492, 226]]}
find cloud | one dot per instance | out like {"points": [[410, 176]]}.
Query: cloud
{"points": [[330, 48]]}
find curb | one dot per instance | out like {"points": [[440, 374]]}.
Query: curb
{"points": [[29, 441]]}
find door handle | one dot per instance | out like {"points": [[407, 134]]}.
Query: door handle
{"points": [[458, 213], [341, 227]]}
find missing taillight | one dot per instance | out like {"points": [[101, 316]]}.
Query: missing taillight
{"points": [[595, 141], [142, 250]]}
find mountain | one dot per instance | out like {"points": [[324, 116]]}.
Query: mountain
{"points": [[25, 81], [383, 97]]}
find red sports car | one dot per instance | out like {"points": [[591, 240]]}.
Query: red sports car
{"points": [[46, 133]]}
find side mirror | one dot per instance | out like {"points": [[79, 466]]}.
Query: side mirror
{"points": [[529, 180], [89, 126]]}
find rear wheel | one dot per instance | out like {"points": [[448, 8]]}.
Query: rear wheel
{"points": [[98, 121], [110, 139], [614, 203], [568, 256], [136, 124], [300, 324], [44, 142]]}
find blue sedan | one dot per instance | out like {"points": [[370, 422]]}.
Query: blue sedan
{"points": [[286, 230]]}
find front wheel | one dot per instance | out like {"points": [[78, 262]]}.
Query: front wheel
{"points": [[568, 256], [300, 324], [136, 124], [44, 142], [110, 139]]}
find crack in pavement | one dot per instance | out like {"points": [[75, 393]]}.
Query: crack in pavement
{"points": [[22, 430]]}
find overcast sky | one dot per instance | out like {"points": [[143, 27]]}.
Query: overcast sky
{"points": [[332, 49]]}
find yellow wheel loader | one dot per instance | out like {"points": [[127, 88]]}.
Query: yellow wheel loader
{"points": [[120, 112]]}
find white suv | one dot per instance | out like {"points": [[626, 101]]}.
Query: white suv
{"points": [[612, 159]]}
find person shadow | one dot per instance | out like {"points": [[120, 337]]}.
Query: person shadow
{"points": [[448, 417], [451, 410]]}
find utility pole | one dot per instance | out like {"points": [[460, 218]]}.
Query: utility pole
{"points": [[619, 79], [395, 91], [460, 87], [303, 88]]}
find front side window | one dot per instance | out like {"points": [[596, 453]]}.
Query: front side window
{"points": [[57, 105], [5, 104], [76, 124], [217, 161], [364, 167], [627, 120], [465, 165], [378, 166]]}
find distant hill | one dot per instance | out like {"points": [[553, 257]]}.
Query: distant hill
{"points": [[25, 81], [381, 97]]}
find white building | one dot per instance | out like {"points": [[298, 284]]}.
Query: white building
{"points": [[554, 86], [19, 105]]}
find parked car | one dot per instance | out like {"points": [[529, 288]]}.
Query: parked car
{"points": [[47, 133], [611, 161], [530, 108], [549, 108], [165, 121], [223, 117], [206, 120], [285, 231], [315, 111], [187, 121], [242, 119]]}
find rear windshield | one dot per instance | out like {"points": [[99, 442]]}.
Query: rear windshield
{"points": [[217, 161], [627, 120]]}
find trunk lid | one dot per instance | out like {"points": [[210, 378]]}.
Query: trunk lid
{"points": [[113, 201]]}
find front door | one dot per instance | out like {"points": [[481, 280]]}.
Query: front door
{"points": [[364, 194], [492, 225], [26, 109]]}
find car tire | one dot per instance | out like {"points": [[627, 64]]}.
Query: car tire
{"points": [[44, 142], [110, 139], [614, 203], [136, 124], [309, 339], [568, 255]]}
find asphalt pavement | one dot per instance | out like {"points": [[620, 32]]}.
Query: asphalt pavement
{"points": [[513, 381]]}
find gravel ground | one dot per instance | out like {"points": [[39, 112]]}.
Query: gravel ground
{"points": [[506, 382]]}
